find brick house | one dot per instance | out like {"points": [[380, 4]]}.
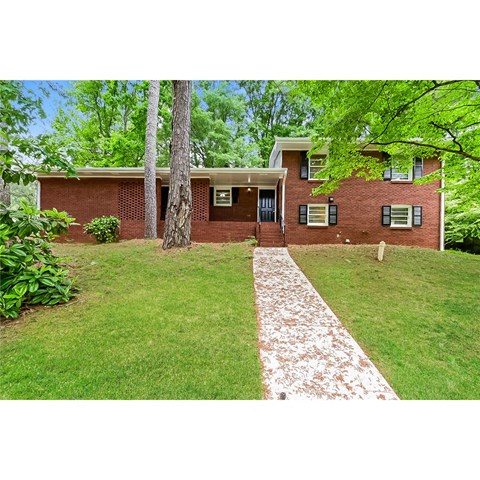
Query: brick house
{"points": [[272, 204]]}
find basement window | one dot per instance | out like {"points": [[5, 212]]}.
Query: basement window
{"points": [[222, 197], [401, 216], [317, 215]]}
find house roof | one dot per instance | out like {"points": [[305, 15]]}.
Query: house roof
{"points": [[300, 144], [239, 177]]}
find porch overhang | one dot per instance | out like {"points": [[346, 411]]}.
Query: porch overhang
{"points": [[235, 177]]}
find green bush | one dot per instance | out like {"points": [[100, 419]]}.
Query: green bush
{"points": [[29, 272], [104, 229]]}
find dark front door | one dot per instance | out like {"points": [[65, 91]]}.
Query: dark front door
{"points": [[267, 205]]}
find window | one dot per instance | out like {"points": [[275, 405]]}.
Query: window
{"points": [[396, 175], [223, 197], [316, 164], [399, 176], [317, 215], [401, 216], [398, 216]]}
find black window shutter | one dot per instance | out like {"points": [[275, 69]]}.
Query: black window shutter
{"points": [[303, 166], [302, 214], [417, 216], [235, 194], [386, 214], [387, 174], [332, 214], [418, 168]]}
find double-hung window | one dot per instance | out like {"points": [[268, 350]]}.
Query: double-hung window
{"points": [[317, 215], [401, 216], [316, 164], [400, 175], [222, 197]]}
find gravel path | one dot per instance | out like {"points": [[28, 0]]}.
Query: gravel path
{"points": [[305, 351]]}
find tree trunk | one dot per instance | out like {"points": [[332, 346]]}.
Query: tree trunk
{"points": [[4, 187], [150, 161], [4, 192], [178, 219]]}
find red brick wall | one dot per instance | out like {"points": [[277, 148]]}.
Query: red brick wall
{"points": [[93, 197], [219, 232], [359, 209], [244, 211]]}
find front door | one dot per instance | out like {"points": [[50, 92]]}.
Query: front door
{"points": [[266, 206]]}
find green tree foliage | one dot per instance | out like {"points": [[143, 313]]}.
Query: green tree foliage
{"points": [[103, 123], [233, 124], [29, 272], [21, 192], [218, 133], [273, 111], [21, 154], [462, 219], [406, 119]]}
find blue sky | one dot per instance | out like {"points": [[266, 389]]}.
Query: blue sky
{"points": [[50, 104]]}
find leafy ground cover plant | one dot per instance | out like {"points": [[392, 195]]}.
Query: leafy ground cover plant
{"points": [[104, 229], [29, 271]]}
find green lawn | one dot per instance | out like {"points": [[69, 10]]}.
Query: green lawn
{"points": [[146, 325], [417, 314]]}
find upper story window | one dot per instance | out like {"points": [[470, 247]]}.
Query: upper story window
{"points": [[315, 165], [397, 175], [222, 197]]}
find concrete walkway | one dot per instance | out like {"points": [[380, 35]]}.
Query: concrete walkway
{"points": [[305, 351]]}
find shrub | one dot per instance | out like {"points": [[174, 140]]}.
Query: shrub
{"points": [[104, 229], [29, 272]]}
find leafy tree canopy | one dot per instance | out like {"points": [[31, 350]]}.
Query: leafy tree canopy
{"points": [[21, 154], [406, 119], [233, 123]]}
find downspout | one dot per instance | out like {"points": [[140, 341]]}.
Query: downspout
{"points": [[283, 200], [442, 212], [39, 199]]}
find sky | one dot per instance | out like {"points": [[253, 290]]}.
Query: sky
{"points": [[50, 104]]}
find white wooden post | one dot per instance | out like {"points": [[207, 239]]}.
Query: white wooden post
{"points": [[381, 248]]}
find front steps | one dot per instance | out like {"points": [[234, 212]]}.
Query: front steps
{"points": [[270, 235]]}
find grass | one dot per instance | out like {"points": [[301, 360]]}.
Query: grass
{"points": [[148, 324], [417, 314]]}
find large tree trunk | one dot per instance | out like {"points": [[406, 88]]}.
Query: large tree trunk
{"points": [[178, 220], [150, 161]]}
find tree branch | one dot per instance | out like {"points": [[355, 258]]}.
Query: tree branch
{"points": [[426, 145], [404, 106], [446, 129]]}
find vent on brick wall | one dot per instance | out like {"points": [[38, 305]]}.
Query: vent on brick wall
{"points": [[200, 196], [131, 201]]}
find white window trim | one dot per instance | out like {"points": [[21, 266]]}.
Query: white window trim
{"points": [[309, 176], [215, 196], [326, 215], [410, 216], [409, 179]]}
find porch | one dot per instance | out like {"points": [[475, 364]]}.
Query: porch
{"points": [[228, 204]]}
